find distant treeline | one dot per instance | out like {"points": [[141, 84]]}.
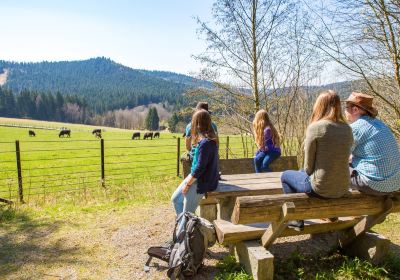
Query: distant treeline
{"points": [[105, 84], [43, 106]]}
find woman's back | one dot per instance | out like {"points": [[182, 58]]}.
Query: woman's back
{"points": [[327, 150]]}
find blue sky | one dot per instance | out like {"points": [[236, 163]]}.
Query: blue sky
{"points": [[145, 34]]}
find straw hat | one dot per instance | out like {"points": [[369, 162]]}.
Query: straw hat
{"points": [[364, 101]]}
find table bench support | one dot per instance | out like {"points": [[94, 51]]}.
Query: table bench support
{"points": [[256, 260], [365, 224], [276, 228]]}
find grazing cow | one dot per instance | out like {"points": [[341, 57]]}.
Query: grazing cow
{"points": [[64, 132], [148, 135], [98, 134], [136, 135], [97, 130], [156, 134], [32, 133]]}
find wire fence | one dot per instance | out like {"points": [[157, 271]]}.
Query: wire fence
{"points": [[31, 168]]}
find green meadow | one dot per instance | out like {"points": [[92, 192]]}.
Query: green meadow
{"points": [[50, 164]]}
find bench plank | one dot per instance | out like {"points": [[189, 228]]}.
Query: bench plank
{"points": [[228, 232], [251, 176], [266, 208]]}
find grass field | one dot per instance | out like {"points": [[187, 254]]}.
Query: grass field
{"points": [[51, 164]]}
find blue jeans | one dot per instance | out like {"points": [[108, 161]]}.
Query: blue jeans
{"points": [[262, 160], [296, 182], [186, 202]]}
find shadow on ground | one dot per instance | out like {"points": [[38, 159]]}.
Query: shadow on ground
{"points": [[24, 242]]}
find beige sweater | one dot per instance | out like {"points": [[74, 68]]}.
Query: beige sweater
{"points": [[327, 150]]}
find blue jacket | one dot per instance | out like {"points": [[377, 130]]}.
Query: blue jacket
{"points": [[206, 171]]}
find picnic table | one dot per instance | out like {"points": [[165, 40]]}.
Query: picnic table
{"points": [[252, 212]]}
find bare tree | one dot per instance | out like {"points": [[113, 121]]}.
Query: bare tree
{"points": [[363, 37], [243, 39], [259, 56]]}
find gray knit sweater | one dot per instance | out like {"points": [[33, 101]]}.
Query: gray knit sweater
{"points": [[327, 149]]}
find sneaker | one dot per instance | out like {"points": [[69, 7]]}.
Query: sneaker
{"points": [[296, 225]]}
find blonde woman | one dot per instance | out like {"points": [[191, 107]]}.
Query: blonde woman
{"points": [[267, 141], [327, 149]]}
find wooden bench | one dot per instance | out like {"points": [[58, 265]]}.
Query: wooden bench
{"points": [[245, 165], [264, 218]]}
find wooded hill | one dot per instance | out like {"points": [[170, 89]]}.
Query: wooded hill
{"points": [[104, 84]]}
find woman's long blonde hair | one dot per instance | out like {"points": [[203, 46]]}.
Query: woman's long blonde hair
{"points": [[201, 126], [260, 122], [327, 107]]}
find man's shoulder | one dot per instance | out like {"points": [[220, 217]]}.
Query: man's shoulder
{"points": [[214, 126], [187, 129]]}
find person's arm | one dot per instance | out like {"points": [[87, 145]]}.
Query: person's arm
{"points": [[188, 138], [189, 182], [204, 154], [310, 149], [188, 143]]}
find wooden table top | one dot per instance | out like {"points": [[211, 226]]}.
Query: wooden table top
{"points": [[248, 184]]}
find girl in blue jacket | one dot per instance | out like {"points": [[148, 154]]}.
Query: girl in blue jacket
{"points": [[204, 174]]}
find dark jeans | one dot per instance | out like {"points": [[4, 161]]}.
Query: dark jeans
{"points": [[296, 182], [262, 160]]}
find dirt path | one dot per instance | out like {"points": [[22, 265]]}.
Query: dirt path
{"points": [[104, 245], [108, 244]]}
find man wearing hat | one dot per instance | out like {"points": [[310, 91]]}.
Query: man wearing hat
{"points": [[375, 159], [188, 140]]}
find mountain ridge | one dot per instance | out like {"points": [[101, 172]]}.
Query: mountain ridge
{"points": [[100, 80]]}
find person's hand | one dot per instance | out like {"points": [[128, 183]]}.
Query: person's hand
{"points": [[185, 188]]}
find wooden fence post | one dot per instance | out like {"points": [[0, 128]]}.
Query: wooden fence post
{"points": [[178, 154], [227, 147], [103, 183], [19, 171]]}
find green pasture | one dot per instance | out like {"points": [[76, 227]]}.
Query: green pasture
{"points": [[51, 164]]}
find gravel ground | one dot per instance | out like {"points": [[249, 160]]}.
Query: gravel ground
{"points": [[111, 244]]}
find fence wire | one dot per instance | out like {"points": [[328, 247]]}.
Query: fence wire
{"points": [[56, 166]]}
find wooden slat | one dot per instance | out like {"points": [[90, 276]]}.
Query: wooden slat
{"points": [[248, 184], [266, 208], [251, 176], [228, 232]]}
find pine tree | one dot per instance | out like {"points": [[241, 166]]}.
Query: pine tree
{"points": [[148, 120], [152, 120], [155, 120], [172, 122]]}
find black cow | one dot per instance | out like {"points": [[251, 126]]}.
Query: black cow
{"points": [[98, 134], [148, 135], [32, 133], [64, 132], [97, 130], [156, 134], [136, 135]]}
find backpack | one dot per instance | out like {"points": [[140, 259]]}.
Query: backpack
{"points": [[186, 251]]}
